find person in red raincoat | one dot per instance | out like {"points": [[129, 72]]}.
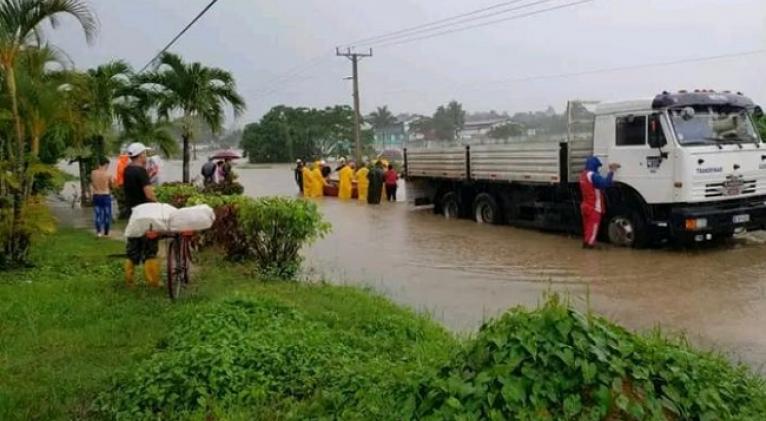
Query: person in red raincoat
{"points": [[593, 206]]}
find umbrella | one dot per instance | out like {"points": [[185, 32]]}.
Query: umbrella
{"points": [[226, 154]]}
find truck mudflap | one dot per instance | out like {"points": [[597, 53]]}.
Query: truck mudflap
{"points": [[700, 223]]}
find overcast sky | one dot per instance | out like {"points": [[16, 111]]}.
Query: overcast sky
{"points": [[259, 41]]}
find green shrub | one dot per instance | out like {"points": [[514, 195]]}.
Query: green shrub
{"points": [[175, 194], [36, 220], [227, 188], [269, 360], [276, 228], [558, 364]]}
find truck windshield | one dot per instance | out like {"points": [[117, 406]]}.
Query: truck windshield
{"points": [[705, 125]]}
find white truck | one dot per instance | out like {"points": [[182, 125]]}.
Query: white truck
{"points": [[693, 169]]}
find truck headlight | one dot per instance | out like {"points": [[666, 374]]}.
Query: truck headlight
{"points": [[694, 224]]}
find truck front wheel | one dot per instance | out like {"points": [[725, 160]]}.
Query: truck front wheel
{"points": [[486, 209], [626, 228]]}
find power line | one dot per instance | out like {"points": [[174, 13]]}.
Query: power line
{"points": [[308, 65], [634, 67], [460, 22], [491, 22], [180, 34], [605, 70], [291, 73], [436, 22]]}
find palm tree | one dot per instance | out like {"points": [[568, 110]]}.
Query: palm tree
{"points": [[195, 91], [381, 118], [108, 88], [20, 29], [40, 92], [20, 22], [158, 134]]}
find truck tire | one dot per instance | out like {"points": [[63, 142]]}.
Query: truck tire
{"points": [[486, 210], [450, 205], [627, 228]]}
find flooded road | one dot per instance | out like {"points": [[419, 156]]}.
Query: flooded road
{"points": [[464, 273]]}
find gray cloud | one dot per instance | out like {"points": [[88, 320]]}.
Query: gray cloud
{"points": [[259, 40]]}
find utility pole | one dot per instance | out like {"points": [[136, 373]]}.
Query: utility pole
{"points": [[355, 57]]}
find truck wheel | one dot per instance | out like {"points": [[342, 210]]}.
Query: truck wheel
{"points": [[450, 206], [486, 210], [627, 228]]}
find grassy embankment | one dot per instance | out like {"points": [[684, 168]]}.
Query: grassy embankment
{"points": [[69, 326], [75, 343]]}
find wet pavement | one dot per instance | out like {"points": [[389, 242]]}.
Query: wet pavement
{"points": [[464, 273]]}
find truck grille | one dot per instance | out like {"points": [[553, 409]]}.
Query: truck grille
{"points": [[730, 188]]}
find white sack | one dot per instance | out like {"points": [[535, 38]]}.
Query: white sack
{"points": [[149, 217], [194, 218]]}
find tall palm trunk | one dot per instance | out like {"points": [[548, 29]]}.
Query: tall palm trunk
{"points": [[18, 196], [186, 136], [84, 197]]}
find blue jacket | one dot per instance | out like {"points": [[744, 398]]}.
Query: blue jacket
{"points": [[592, 164]]}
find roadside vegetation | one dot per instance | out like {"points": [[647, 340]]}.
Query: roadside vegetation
{"points": [[50, 112], [75, 343]]}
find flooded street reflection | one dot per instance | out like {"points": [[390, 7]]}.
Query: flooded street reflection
{"points": [[464, 273]]}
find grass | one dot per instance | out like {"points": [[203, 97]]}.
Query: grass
{"points": [[69, 326], [75, 343]]}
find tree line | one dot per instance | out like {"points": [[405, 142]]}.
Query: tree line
{"points": [[49, 112], [285, 134]]}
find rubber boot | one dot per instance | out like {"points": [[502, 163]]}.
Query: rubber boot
{"points": [[130, 270], [152, 272]]}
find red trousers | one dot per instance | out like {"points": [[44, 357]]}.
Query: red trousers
{"points": [[591, 219]]}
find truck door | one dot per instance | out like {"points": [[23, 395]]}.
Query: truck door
{"points": [[649, 170]]}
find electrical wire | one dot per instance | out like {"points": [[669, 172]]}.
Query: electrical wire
{"points": [[601, 70], [300, 69], [460, 22], [491, 22], [180, 34], [377, 38], [291, 73], [634, 67]]}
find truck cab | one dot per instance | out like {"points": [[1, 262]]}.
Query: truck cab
{"points": [[693, 167]]}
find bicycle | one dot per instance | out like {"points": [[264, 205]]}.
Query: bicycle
{"points": [[179, 259]]}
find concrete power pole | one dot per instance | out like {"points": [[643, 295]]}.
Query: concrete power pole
{"points": [[355, 57]]}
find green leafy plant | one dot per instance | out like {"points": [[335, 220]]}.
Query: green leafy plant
{"points": [[558, 364], [16, 242], [271, 360], [276, 228], [227, 188], [176, 194]]}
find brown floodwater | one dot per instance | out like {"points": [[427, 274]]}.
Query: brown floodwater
{"points": [[464, 273]]}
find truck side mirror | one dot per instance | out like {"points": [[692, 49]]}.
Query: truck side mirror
{"points": [[656, 135]]}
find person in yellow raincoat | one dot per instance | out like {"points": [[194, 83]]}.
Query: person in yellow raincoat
{"points": [[317, 181], [306, 180], [345, 182], [362, 183]]}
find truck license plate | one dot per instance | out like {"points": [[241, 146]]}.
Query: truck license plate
{"points": [[741, 219]]}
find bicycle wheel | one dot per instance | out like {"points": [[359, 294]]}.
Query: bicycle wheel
{"points": [[175, 270]]}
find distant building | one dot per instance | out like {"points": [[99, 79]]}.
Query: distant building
{"points": [[473, 130], [391, 137], [398, 134]]}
